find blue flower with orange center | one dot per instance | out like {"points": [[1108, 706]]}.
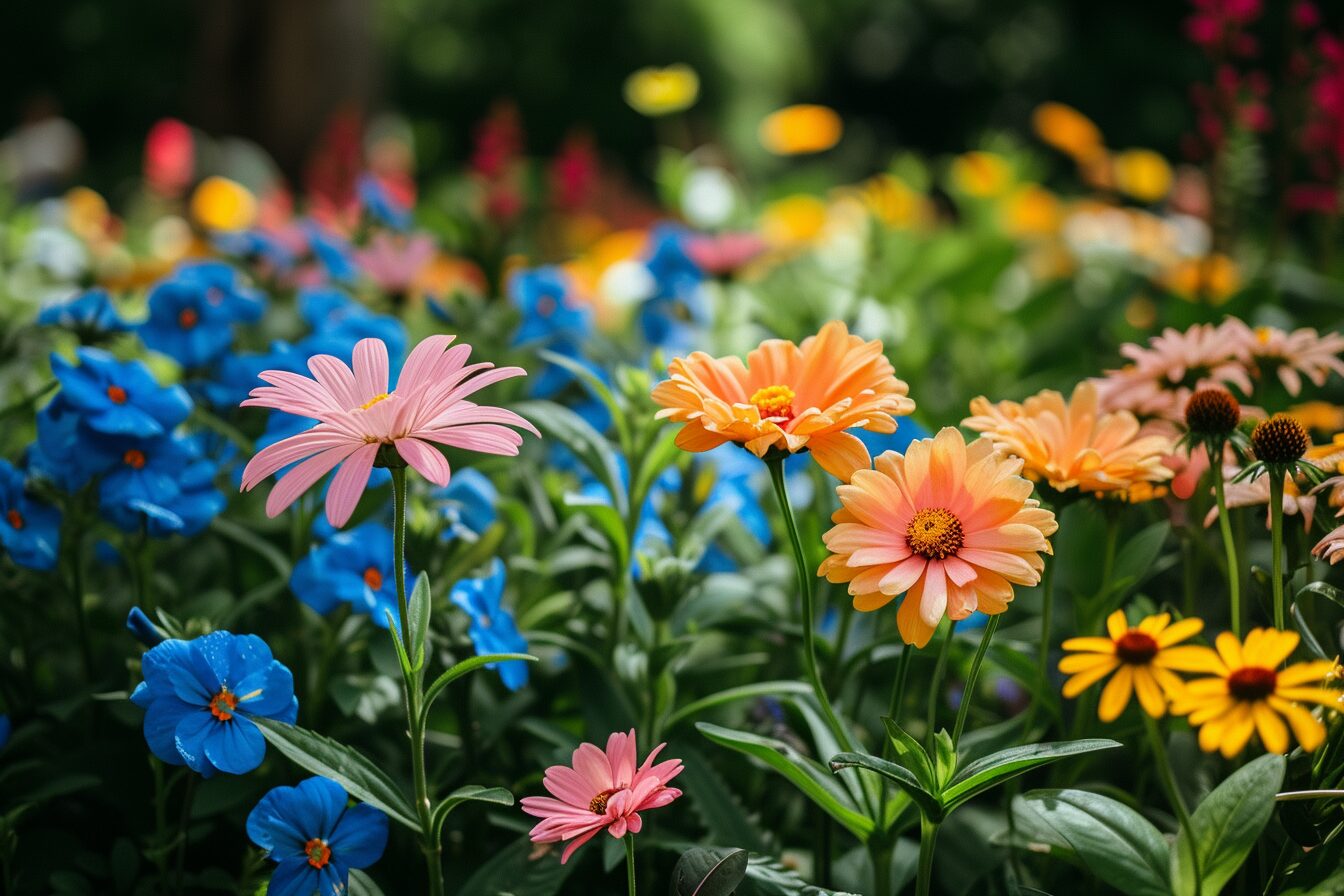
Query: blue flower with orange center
{"points": [[467, 505], [315, 837], [30, 531], [200, 696], [354, 566], [164, 485], [192, 312], [119, 398], [491, 627], [89, 314]]}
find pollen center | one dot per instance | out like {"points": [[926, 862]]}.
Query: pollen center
{"points": [[318, 852], [223, 704], [934, 533], [598, 805], [373, 578], [373, 401], [773, 401], [1251, 683], [1136, 648], [116, 394], [134, 458], [188, 318], [15, 519]]}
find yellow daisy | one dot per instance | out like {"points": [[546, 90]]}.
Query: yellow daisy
{"points": [[1143, 659], [1248, 693]]}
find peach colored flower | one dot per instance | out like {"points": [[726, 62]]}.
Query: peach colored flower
{"points": [[1161, 376], [1292, 356], [951, 526], [600, 789], [1072, 444], [358, 415], [788, 398], [1331, 547]]}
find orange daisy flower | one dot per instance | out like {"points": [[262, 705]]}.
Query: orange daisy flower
{"points": [[788, 397], [1142, 658], [952, 526], [1073, 444]]}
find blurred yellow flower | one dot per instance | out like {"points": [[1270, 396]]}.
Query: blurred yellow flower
{"points": [[223, 204], [894, 202], [1318, 416], [1068, 130], [798, 130], [1031, 211], [1141, 313], [981, 174], [1144, 659], [86, 214], [793, 221], [1142, 174], [1213, 279], [654, 91]]}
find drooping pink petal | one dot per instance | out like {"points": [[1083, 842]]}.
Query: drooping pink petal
{"points": [[338, 379], [287, 451], [301, 478], [424, 459], [348, 484]]}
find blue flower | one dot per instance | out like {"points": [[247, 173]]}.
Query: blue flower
{"points": [[90, 313], [6, 726], [146, 632], [199, 698], [467, 504], [672, 316], [354, 566], [380, 205], [548, 307], [338, 322], [255, 245], [119, 397], [332, 252], [192, 312], [57, 456], [164, 484], [236, 375], [315, 838], [30, 531], [491, 627]]}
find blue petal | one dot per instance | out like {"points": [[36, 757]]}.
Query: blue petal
{"points": [[360, 836], [162, 718], [192, 731], [276, 824], [273, 687], [323, 800], [235, 746], [294, 877]]}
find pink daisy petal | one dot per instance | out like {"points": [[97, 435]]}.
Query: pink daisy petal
{"points": [[301, 478], [424, 459], [347, 486]]}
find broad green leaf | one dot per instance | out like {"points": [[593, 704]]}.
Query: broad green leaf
{"points": [[944, 759], [1226, 826], [1135, 560], [587, 443], [743, 692], [709, 872], [902, 776], [514, 871], [994, 769], [418, 608], [714, 801], [1111, 840], [469, 793], [351, 769], [864, 790], [766, 876], [362, 885], [1309, 639], [470, 664], [594, 384], [804, 773], [912, 754]]}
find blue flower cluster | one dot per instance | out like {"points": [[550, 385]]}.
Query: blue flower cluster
{"points": [[30, 531], [354, 567], [192, 312], [490, 626]]}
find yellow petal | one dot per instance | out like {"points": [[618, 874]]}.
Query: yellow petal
{"points": [[1229, 648], [1186, 628], [1190, 659], [1084, 680], [1273, 733], [1115, 696], [1150, 695], [1116, 626], [1081, 662], [1091, 645]]}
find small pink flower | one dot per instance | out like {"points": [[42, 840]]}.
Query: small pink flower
{"points": [[394, 262], [358, 414], [601, 790]]}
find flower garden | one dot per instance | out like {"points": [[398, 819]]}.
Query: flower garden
{"points": [[968, 527]]}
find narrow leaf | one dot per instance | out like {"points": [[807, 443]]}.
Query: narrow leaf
{"points": [[902, 776], [994, 769]]}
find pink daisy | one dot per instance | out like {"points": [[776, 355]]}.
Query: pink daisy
{"points": [[1163, 374], [358, 415], [1292, 356], [396, 262], [600, 790]]}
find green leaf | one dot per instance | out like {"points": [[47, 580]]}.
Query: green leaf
{"points": [[352, 770], [804, 773], [1135, 560], [743, 692], [469, 793], [709, 872], [994, 769], [513, 871], [944, 759], [362, 885], [1226, 826], [594, 384], [714, 801], [609, 523], [1111, 840], [420, 603], [912, 754], [1309, 639], [587, 443], [767, 876], [904, 778], [402, 659], [470, 664]]}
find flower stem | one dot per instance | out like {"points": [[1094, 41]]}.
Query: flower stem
{"points": [[630, 863], [928, 836], [1169, 786], [1047, 606], [1229, 544], [412, 683], [776, 467], [1276, 538], [968, 693], [936, 686]]}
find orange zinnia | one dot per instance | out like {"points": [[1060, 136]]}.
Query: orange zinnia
{"points": [[1073, 444], [788, 397], [951, 526]]}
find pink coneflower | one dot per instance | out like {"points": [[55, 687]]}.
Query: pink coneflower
{"points": [[601, 790], [1331, 547], [1292, 356], [359, 415], [1163, 374], [1253, 493], [395, 262]]}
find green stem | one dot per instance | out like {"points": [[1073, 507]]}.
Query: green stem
{"points": [[776, 467], [1169, 786], [1229, 543], [630, 863], [880, 850], [1047, 607], [898, 687], [968, 693], [77, 597], [936, 686], [412, 683], [1276, 538], [928, 837], [160, 823]]}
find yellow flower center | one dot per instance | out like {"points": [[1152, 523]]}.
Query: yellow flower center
{"points": [[934, 533], [598, 805], [1263, 334], [773, 401], [373, 401]]}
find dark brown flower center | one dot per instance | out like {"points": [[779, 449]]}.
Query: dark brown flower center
{"points": [[1279, 440], [223, 704], [318, 852], [1212, 412], [934, 533], [1135, 647], [598, 805], [1251, 683]]}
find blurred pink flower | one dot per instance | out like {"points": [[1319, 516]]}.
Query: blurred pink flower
{"points": [[394, 262], [358, 415], [725, 252], [1162, 375], [1331, 547], [602, 789], [1291, 355]]}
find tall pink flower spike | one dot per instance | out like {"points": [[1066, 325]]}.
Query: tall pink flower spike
{"points": [[358, 414], [602, 790]]}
